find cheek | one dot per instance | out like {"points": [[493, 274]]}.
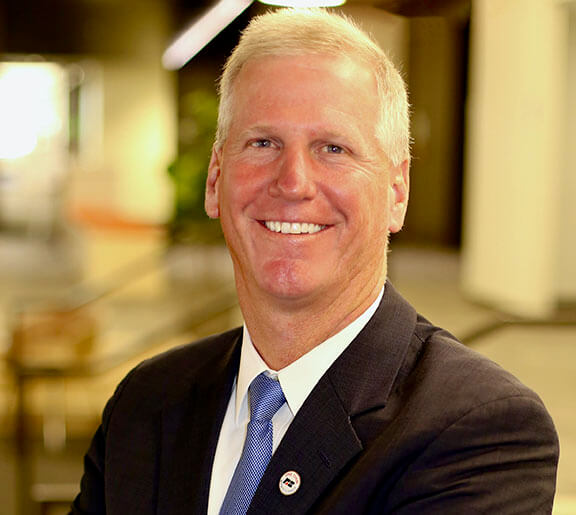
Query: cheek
{"points": [[363, 198], [236, 185], [248, 176]]}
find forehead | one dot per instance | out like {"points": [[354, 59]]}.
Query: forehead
{"points": [[312, 66], [305, 87]]}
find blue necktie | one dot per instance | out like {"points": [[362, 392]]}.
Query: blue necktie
{"points": [[266, 397]]}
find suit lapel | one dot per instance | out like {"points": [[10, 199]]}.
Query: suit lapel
{"points": [[366, 371], [318, 444], [339, 418], [190, 430]]}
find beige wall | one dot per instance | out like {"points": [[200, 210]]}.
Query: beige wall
{"points": [[515, 155], [139, 137], [566, 278], [131, 116]]}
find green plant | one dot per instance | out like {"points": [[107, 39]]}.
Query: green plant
{"points": [[199, 111]]}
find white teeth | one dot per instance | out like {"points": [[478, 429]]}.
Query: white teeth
{"points": [[293, 227]]}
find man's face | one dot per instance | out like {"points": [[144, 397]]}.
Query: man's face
{"points": [[305, 193]]}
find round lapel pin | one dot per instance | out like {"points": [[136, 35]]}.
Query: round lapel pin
{"points": [[289, 482]]}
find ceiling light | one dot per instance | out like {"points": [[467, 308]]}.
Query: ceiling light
{"points": [[201, 32], [304, 3]]}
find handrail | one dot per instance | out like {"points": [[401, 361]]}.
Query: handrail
{"points": [[223, 301], [220, 301], [115, 281], [473, 336]]}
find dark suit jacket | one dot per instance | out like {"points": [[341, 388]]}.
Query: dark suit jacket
{"points": [[406, 420]]}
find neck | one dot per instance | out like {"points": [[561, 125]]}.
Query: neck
{"points": [[282, 332]]}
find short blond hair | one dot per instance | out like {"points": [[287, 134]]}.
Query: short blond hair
{"points": [[288, 32]]}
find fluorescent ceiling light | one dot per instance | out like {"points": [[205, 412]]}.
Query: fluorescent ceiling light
{"points": [[201, 32], [304, 3]]}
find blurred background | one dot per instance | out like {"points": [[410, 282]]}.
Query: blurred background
{"points": [[106, 256]]}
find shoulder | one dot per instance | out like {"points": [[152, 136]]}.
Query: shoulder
{"points": [[449, 363], [456, 382], [168, 377], [185, 361], [461, 415]]}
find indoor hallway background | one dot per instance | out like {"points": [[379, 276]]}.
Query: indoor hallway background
{"points": [[105, 257]]}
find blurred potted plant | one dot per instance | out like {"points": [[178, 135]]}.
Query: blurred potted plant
{"points": [[189, 223]]}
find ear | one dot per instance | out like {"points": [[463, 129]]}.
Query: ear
{"points": [[212, 196], [398, 195]]}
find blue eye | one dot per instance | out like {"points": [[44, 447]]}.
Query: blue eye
{"points": [[333, 149], [261, 143]]}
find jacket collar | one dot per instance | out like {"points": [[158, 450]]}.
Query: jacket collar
{"points": [[332, 426]]}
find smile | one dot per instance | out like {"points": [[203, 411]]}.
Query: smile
{"points": [[293, 227]]}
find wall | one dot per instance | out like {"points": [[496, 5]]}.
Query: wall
{"points": [[515, 160], [437, 74], [133, 101], [139, 137], [566, 277]]}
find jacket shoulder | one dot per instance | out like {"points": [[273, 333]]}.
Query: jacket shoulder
{"points": [[185, 360], [169, 376], [442, 372]]}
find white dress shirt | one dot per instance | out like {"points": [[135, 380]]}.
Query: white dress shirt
{"points": [[297, 380]]}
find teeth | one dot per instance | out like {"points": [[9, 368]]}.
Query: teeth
{"points": [[293, 227]]}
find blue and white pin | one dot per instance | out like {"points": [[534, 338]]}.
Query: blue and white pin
{"points": [[289, 482]]}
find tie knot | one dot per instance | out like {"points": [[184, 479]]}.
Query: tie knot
{"points": [[266, 397]]}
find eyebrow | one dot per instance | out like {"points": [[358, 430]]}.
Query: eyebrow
{"points": [[257, 130], [322, 133]]}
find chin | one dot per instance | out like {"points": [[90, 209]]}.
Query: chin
{"points": [[287, 281]]}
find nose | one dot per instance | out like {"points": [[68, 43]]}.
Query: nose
{"points": [[294, 180]]}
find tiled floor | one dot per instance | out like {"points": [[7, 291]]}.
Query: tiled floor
{"points": [[544, 358]]}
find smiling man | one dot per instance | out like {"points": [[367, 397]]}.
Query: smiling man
{"points": [[335, 396], [307, 196]]}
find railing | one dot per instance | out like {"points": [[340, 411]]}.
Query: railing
{"points": [[216, 300], [559, 320]]}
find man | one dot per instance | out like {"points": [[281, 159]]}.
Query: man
{"points": [[368, 407]]}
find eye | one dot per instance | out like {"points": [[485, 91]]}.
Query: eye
{"points": [[333, 149], [261, 143]]}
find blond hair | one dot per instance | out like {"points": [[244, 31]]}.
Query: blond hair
{"points": [[288, 32]]}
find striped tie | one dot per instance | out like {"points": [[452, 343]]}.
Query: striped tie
{"points": [[266, 398]]}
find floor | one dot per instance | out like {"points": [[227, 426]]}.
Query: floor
{"points": [[160, 292]]}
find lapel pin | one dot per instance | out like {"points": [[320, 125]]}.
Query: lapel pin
{"points": [[289, 482]]}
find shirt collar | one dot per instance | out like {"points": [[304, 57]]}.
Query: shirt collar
{"points": [[300, 377]]}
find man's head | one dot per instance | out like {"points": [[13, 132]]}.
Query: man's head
{"points": [[316, 32], [310, 171]]}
